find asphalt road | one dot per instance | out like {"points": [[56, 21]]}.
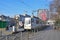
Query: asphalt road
{"points": [[47, 34]]}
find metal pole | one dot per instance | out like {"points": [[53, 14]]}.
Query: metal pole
{"points": [[1, 32], [2, 27], [34, 31], [6, 38], [27, 35], [37, 30], [16, 24], [21, 36]]}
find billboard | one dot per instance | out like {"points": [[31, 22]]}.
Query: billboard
{"points": [[42, 14]]}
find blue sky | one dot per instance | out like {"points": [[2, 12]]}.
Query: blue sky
{"points": [[12, 7]]}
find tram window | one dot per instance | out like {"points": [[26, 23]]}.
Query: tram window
{"points": [[32, 20], [27, 22]]}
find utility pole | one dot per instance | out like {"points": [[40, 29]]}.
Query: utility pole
{"points": [[34, 11], [25, 12]]}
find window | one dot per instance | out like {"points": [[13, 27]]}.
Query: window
{"points": [[27, 22], [32, 20], [37, 21]]}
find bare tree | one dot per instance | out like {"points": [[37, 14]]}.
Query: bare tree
{"points": [[55, 7]]}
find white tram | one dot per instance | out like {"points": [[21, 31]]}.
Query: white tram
{"points": [[32, 23]]}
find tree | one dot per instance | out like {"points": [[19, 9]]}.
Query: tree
{"points": [[55, 7]]}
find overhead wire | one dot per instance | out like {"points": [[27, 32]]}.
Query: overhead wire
{"points": [[26, 4], [21, 1]]}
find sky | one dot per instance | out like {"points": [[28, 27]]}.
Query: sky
{"points": [[13, 7]]}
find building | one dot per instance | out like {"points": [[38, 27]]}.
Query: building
{"points": [[8, 19]]}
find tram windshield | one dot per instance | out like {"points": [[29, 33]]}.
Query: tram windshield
{"points": [[27, 21]]}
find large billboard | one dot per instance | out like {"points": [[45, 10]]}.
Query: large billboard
{"points": [[42, 14]]}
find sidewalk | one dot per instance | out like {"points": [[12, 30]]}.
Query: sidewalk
{"points": [[5, 32]]}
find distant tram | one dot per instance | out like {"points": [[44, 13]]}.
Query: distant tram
{"points": [[32, 23]]}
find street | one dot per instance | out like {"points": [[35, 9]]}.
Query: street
{"points": [[47, 34]]}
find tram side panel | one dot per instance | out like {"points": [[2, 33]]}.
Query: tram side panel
{"points": [[31, 24]]}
